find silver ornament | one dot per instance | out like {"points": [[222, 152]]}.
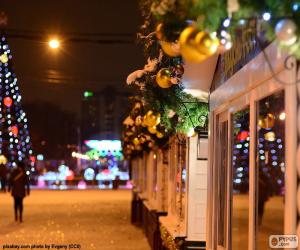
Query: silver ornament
{"points": [[285, 31]]}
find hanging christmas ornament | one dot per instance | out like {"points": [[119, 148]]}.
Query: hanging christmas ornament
{"points": [[151, 120], [207, 44], [14, 130], [152, 130], [138, 120], [270, 136], [171, 49], [285, 31], [179, 69], [188, 45], [7, 101], [159, 135], [136, 141], [163, 78], [267, 122], [150, 144], [4, 58]]}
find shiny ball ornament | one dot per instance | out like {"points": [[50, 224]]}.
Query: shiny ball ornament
{"points": [[159, 31], [171, 49], [138, 121], [152, 130], [267, 122], [179, 69], [150, 144], [270, 136], [151, 120], [4, 58], [206, 43], [285, 31], [188, 45], [7, 101], [163, 78], [136, 141], [159, 135], [14, 130]]}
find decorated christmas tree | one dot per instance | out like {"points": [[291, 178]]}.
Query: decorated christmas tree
{"points": [[15, 142]]}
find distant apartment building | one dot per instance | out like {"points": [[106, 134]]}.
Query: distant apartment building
{"points": [[103, 113]]}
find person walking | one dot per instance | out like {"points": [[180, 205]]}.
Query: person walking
{"points": [[3, 177], [19, 186]]}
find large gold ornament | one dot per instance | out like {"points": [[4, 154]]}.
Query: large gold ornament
{"points": [[4, 58], [152, 120], [188, 45], [197, 46], [267, 122], [163, 78], [170, 48], [206, 44]]}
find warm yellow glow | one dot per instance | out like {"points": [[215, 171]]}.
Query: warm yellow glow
{"points": [[282, 116], [54, 43]]}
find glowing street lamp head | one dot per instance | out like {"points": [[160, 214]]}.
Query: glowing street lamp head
{"points": [[54, 44]]}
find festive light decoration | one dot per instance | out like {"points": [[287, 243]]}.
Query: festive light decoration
{"points": [[163, 78], [285, 31], [267, 122], [7, 101], [4, 58], [15, 143]]}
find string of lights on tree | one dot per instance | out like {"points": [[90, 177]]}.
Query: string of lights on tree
{"points": [[15, 143]]}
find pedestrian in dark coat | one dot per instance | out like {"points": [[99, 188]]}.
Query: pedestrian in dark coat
{"points": [[3, 177], [19, 185]]}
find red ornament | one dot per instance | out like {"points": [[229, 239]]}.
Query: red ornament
{"points": [[243, 135], [14, 130], [8, 101]]}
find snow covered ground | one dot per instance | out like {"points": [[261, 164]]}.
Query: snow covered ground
{"points": [[94, 219]]}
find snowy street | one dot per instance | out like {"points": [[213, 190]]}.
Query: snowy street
{"points": [[93, 219]]}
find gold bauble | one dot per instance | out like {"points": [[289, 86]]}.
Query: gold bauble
{"points": [[159, 31], [267, 122], [270, 136], [136, 141], [151, 120], [163, 78], [159, 135], [171, 49], [152, 130], [138, 120], [179, 69], [188, 45], [206, 44], [4, 58]]}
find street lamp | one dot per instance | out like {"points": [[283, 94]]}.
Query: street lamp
{"points": [[54, 43]]}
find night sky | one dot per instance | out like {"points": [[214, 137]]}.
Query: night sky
{"points": [[60, 77]]}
